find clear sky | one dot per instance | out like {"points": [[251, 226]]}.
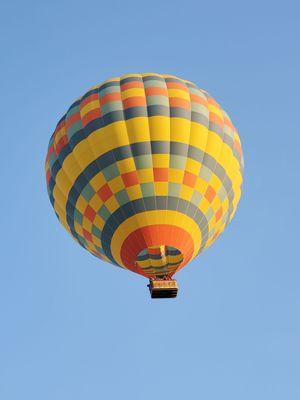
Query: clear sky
{"points": [[74, 328]]}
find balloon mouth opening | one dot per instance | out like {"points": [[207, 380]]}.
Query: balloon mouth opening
{"points": [[159, 261]]}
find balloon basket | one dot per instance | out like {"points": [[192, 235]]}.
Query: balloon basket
{"points": [[164, 288]]}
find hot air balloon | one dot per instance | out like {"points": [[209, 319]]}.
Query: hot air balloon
{"points": [[145, 172]]}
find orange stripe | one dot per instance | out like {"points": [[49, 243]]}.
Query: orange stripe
{"points": [[198, 99], [110, 97], [130, 85], [216, 119], [93, 114], [88, 99], [219, 214], [228, 123], [178, 102], [210, 100], [156, 91], [175, 85], [134, 101]]}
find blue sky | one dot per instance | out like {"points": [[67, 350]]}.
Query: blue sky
{"points": [[75, 328]]}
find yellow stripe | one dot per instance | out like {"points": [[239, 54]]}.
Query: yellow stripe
{"points": [[183, 94], [92, 105], [133, 92]]}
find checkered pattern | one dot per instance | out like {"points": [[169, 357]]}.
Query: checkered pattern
{"points": [[144, 163]]}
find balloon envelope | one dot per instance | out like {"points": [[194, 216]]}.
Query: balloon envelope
{"points": [[145, 172]]}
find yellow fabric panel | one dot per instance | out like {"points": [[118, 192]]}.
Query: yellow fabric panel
{"points": [[71, 169], [134, 192], [176, 175], [204, 205], [237, 198], [214, 145], [116, 184], [236, 172], [138, 130], [186, 192], [59, 196], [192, 166], [111, 204], [215, 110], [107, 138], [215, 182], [64, 181], [95, 202], [59, 134], [145, 175], [160, 160], [78, 228], [225, 158], [216, 204], [126, 165], [201, 185], [145, 263], [225, 204], [81, 204], [180, 130], [198, 136], [87, 224], [179, 93], [99, 222], [133, 92], [174, 259], [96, 241], [161, 188], [157, 263], [160, 128], [98, 181], [92, 105]]}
